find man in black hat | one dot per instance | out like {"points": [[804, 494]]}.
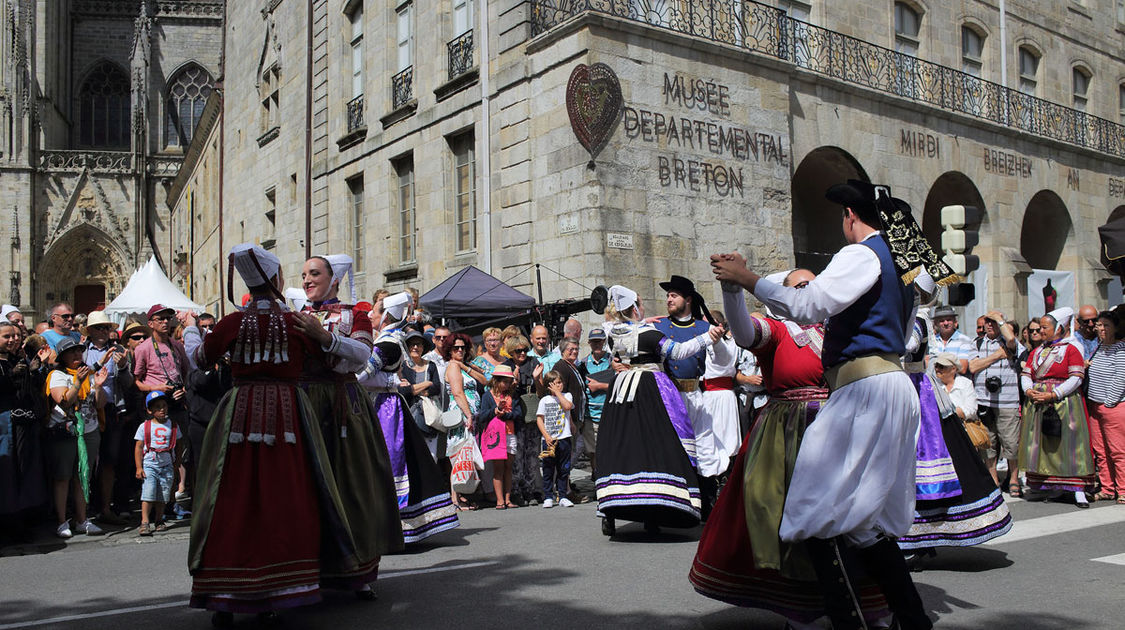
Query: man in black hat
{"points": [[853, 481], [685, 321]]}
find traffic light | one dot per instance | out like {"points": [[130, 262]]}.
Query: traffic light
{"points": [[961, 294], [959, 237]]}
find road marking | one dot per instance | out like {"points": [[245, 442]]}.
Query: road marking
{"points": [[183, 604], [1118, 559], [1058, 524]]}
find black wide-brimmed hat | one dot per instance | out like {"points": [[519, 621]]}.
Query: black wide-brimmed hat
{"points": [[910, 250], [686, 288], [427, 343], [857, 195]]}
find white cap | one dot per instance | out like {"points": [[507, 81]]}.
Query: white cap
{"points": [[622, 297], [1063, 316], [342, 266], [394, 306], [254, 264], [925, 282], [297, 297], [7, 310]]}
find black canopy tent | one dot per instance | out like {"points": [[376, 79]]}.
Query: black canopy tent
{"points": [[471, 296], [1112, 236]]}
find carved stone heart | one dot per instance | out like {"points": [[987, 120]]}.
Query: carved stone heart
{"points": [[594, 102]]}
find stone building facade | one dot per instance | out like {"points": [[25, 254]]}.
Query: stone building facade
{"points": [[423, 137], [98, 100]]}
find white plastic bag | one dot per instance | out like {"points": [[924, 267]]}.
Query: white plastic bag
{"points": [[466, 460]]}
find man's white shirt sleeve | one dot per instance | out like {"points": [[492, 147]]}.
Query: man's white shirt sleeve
{"points": [[850, 274]]}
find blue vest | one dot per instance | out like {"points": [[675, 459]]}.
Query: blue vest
{"points": [[693, 366], [876, 322]]}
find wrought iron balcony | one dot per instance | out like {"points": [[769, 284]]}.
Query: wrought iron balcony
{"points": [[769, 31], [461, 54], [97, 161], [355, 114], [402, 88]]}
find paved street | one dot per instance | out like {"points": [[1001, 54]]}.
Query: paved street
{"points": [[1060, 567]]}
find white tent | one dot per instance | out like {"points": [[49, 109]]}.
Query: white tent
{"points": [[146, 287]]}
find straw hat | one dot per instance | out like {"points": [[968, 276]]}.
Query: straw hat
{"points": [[504, 371], [134, 327], [99, 318]]}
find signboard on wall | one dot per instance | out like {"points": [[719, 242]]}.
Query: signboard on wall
{"points": [[1048, 290]]}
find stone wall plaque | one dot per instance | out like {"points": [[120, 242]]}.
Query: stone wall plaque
{"points": [[619, 241]]}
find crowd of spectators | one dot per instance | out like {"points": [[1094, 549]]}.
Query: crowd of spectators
{"points": [[76, 452], [1004, 388], [73, 402]]}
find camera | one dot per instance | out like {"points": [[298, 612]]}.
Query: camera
{"points": [[175, 385], [993, 384]]}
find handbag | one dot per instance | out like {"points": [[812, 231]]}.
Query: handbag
{"points": [[432, 414], [452, 418], [978, 435], [1050, 424], [530, 407]]}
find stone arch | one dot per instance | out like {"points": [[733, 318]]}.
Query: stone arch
{"points": [[816, 221], [949, 189], [83, 256], [1046, 228]]}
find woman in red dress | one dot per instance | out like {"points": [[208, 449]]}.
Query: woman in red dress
{"points": [[741, 560], [1055, 437], [266, 500], [351, 430]]}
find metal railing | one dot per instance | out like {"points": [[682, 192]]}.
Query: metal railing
{"points": [[97, 161], [355, 114], [461, 54], [767, 30], [402, 88]]}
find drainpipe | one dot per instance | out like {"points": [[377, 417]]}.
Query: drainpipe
{"points": [[1003, 44], [222, 152], [486, 140], [308, 131]]}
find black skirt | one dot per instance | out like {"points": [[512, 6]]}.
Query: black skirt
{"points": [[644, 471]]}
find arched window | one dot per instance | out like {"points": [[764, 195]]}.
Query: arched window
{"points": [[908, 23], [1080, 80], [972, 49], [104, 108], [1029, 69], [187, 94]]}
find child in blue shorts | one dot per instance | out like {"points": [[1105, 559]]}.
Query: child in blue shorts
{"points": [[157, 457]]}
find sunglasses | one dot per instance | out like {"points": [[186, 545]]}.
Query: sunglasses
{"points": [[1091, 320], [1034, 331], [160, 318], [441, 337], [461, 348], [520, 350], [65, 315], [138, 337]]}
